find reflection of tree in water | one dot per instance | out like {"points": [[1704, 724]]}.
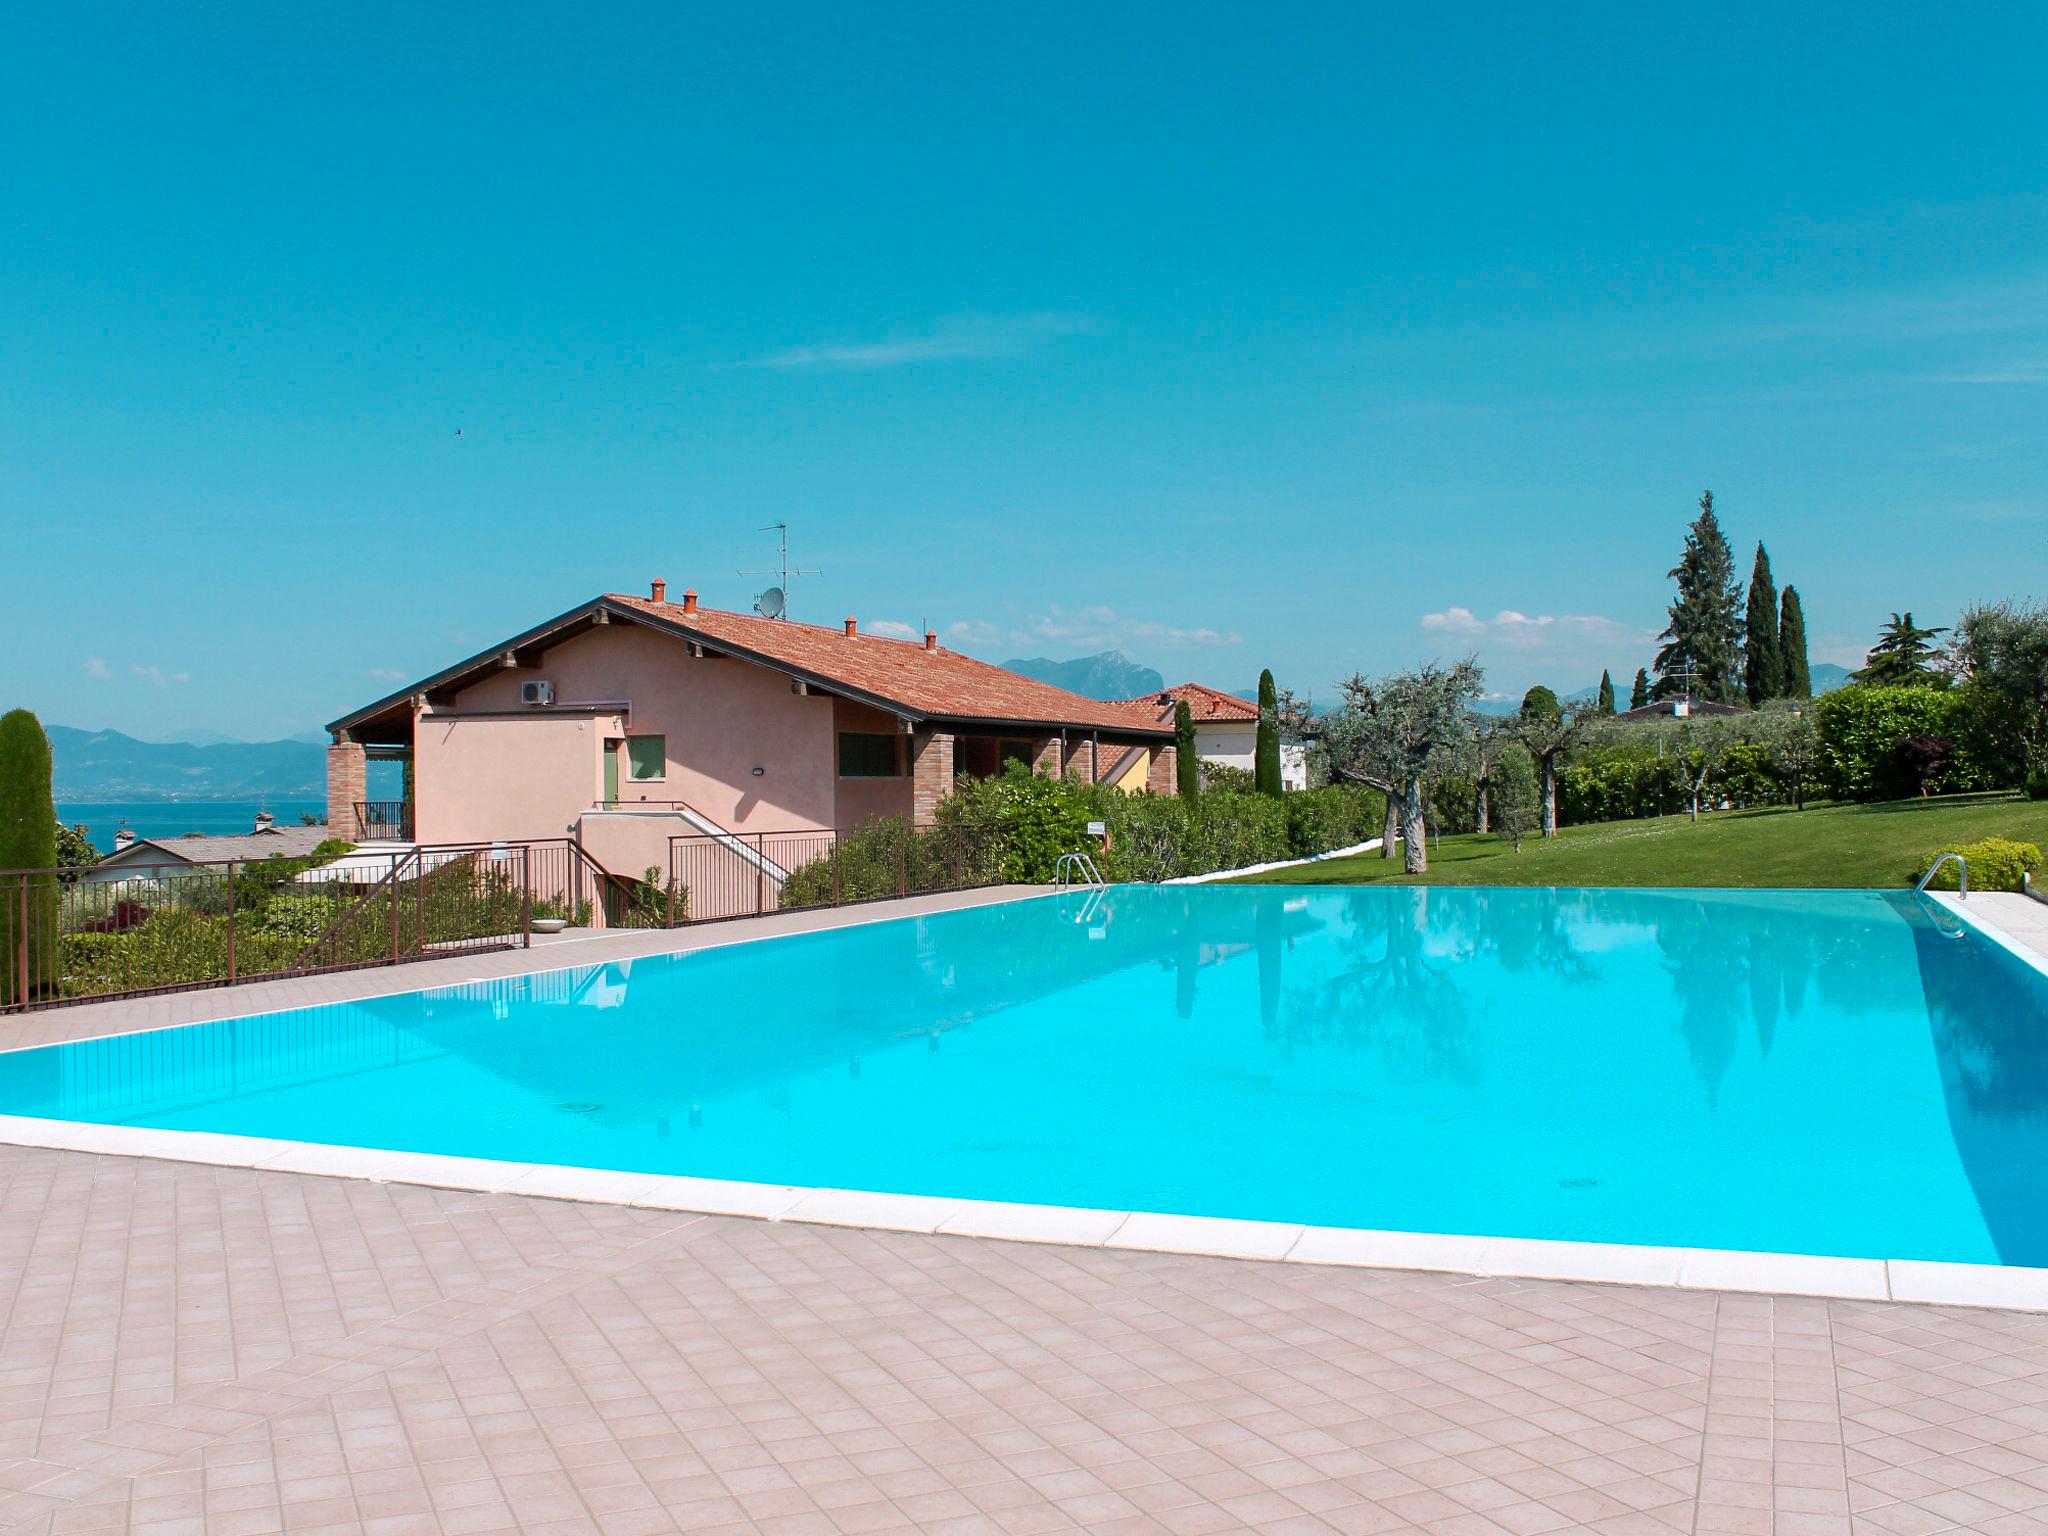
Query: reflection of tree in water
{"points": [[1524, 940], [1722, 953], [1391, 998]]}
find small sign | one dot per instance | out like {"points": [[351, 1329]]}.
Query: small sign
{"points": [[1097, 828]]}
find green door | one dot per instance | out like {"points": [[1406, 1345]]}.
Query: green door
{"points": [[611, 770]]}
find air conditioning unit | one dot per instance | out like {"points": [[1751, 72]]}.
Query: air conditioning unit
{"points": [[537, 692]]}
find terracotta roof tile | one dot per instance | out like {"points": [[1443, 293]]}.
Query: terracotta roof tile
{"points": [[1206, 704], [937, 683]]}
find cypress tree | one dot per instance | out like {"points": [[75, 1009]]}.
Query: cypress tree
{"points": [[1639, 695], [1605, 704], [1266, 758], [1763, 668], [1792, 646], [1187, 766], [1702, 654], [28, 840]]}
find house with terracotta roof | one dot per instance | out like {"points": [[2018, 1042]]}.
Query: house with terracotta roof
{"points": [[1226, 728], [631, 719]]}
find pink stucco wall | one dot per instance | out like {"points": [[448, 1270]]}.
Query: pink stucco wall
{"points": [[505, 776], [533, 771]]}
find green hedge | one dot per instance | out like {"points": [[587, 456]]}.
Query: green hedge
{"points": [[1860, 730], [1013, 828]]}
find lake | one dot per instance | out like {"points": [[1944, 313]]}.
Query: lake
{"points": [[174, 818]]}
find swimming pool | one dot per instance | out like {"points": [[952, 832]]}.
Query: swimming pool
{"points": [[1843, 1073]]}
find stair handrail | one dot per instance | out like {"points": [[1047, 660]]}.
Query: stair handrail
{"points": [[1962, 877], [1077, 864]]}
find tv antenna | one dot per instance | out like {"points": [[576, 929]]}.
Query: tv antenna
{"points": [[774, 603]]}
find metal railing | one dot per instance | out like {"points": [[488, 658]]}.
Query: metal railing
{"points": [[384, 820], [745, 874], [84, 932], [1076, 866], [1962, 874]]}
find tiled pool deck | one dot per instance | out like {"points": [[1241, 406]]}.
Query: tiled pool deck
{"points": [[191, 1348]]}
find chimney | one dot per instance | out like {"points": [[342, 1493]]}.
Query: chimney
{"points": [[689, 600], [852, 627], [660, 590], [264, 821], [931, 639], [123, 836]]}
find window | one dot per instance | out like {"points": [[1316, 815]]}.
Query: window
{"points": [[867, 755], [646, 758]]}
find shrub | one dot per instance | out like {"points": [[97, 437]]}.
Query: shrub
{"points": [[1228, 779], [296, 916], [122, 914], [2037, 787], [1336, 816], [1996, 864]]}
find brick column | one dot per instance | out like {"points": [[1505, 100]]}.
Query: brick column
{"points": [[1080, 763], [932, 773], [347, 783], [1163, 777], [1048, 760]]}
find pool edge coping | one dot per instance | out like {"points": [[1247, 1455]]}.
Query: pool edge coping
{"points": [[1707, 1270]]}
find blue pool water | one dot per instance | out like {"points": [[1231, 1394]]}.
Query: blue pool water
{"points": [[1818, 1072]]}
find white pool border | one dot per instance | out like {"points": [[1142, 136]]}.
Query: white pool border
{"points": [[1699, 1269], [1702, 1269]]}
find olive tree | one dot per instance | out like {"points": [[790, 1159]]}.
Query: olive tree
{"points": [[1699, 744], [1549, 731], [1398, 734], [2000, 650]]}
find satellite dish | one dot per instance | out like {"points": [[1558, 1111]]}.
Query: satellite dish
{"points": [[770, 604]]}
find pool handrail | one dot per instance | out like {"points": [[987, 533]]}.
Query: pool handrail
{"points": [[1076, 865], [1962, 875]]}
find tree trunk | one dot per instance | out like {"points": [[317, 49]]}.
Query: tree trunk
{"points": [[1482, 808], [1414, 833], [1548, 767], [1390, 827]]}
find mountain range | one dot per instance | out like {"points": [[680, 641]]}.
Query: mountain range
{"points": [[107, 765], [1107, 675]]}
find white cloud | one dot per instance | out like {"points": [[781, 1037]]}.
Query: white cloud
{"points": [[972, 632], [1531, 632], [954, 339], [156, 676], [97, 668], [1101, 628], [891, 629]]}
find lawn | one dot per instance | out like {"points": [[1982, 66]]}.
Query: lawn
{"points": [[1826, 845]]}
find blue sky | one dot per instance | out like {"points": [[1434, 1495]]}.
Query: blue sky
{"points": [[337, 344]]}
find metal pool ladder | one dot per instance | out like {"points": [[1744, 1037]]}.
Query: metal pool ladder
{"points": [[1076, 868], [1962, 875]]}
